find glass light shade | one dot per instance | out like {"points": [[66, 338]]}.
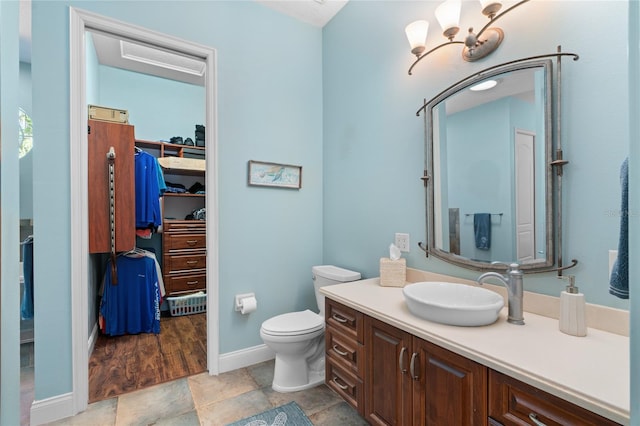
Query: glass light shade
{"points": [[417, 35], [448, 14], [490, 7], [485, 85]]}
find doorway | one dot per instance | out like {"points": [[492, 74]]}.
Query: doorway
{"points": [[525, 196], [81, 271]]}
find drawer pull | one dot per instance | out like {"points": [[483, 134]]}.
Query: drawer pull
{"points": [[343, 387], [338, 351], [192, 262], [192, 242], [412, 366], [192, 282], [534, 419], [339, 318], [403, 369]]}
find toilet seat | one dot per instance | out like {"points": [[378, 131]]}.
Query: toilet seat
{"points": [[293, 324]]}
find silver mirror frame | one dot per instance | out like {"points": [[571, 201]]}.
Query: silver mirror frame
{"points": [[553, 168]]}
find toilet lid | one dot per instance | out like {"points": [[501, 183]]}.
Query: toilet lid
{"points": [[293, 323]]}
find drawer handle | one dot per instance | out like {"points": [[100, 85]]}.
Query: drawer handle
{"points": [[343, 387], [192, 282], [339, 318], [403, 369], [192, 262], [412, 366], [534, 419], [192, 242], [338, 351]]}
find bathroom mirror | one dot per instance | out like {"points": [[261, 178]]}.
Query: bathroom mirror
{"points": [[488, 172]]}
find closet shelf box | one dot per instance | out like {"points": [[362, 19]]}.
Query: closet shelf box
{"points": [[393, 273], [182, 163], [187, 305], [112, 115]]}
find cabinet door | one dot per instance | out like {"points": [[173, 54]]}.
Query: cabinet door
{"points": [[448, 388], [102, 136], [387, 383]]}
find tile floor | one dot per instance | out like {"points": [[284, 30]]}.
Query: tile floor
{"points": [[214, 400]]}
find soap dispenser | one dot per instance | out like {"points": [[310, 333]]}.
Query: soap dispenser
{"points": [[572, 310]]}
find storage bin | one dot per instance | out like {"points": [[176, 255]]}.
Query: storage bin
{"points": [[187, 305]]}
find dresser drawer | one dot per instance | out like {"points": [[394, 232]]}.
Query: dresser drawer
{"points": [[346, 320], [184, 242], [345, 351], [346, 384], [183, 284], [512, 402], [184, 226], [184, 263]]}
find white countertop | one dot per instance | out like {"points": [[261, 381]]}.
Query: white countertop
{"points": [[591, 372]]}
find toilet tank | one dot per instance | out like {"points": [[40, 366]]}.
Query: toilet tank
{"points": [[329, 275]]}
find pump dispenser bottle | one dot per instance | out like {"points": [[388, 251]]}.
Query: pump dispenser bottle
{"points": [[572, 310]]}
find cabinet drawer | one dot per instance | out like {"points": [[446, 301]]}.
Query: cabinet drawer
{"points": [[346, 384], [184, 242], [345, 351], [512, 402], [182, 284], [184, 263], [346, 320], [184, 226]]}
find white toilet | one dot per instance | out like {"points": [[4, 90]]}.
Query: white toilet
{"points": [[297, 338]]}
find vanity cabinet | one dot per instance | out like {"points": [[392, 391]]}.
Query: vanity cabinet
{"points": [[411, 381], [513, 402], [395, 378], [344, 338]]}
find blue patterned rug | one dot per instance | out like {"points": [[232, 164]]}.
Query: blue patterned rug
{"points": [[289, 414]]}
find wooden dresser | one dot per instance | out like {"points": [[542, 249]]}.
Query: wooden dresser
{"points": [[184, 256]]}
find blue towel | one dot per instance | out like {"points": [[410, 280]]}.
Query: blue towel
{"points": [[482, 230], [619, 281], [26, 307]]}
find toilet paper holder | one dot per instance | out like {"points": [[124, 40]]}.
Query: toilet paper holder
{"points": [[240, 297]]}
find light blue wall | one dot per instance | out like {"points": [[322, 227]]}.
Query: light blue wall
{"points": [[158, 108], [269, 108], [373, 148], [10, 213]]}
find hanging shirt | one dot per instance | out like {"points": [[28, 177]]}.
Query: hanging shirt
{"points": [[133, 305], [147, 191]]}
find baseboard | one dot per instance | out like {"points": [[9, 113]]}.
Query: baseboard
{"points": [[244, 358], [52, 409], [93, 338]]}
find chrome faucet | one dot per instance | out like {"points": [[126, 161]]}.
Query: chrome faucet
{"points": [[513, 281]]}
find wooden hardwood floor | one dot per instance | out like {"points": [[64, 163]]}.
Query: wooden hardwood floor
{"points": [[126, 363]]}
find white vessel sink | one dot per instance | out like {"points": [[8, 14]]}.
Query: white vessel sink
{"points": [[453, 304]]}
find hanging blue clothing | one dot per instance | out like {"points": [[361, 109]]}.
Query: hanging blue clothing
{"points": [[26, 307], [147, 191], [133, 305]]}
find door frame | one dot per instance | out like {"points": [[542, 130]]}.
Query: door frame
{"points": [[81, 21]]}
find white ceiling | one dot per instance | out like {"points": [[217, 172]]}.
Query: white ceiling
{"points": [[314, 12]]}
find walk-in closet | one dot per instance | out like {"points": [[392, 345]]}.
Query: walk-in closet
{"points": [[146, 215]]}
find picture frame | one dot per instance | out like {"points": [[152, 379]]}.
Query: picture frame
{"points": [[275, 175]]}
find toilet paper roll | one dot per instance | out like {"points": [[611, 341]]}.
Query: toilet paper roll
{"points": [[248, 305]]}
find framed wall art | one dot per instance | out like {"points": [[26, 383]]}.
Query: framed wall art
{"points": [[276, 175]]}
